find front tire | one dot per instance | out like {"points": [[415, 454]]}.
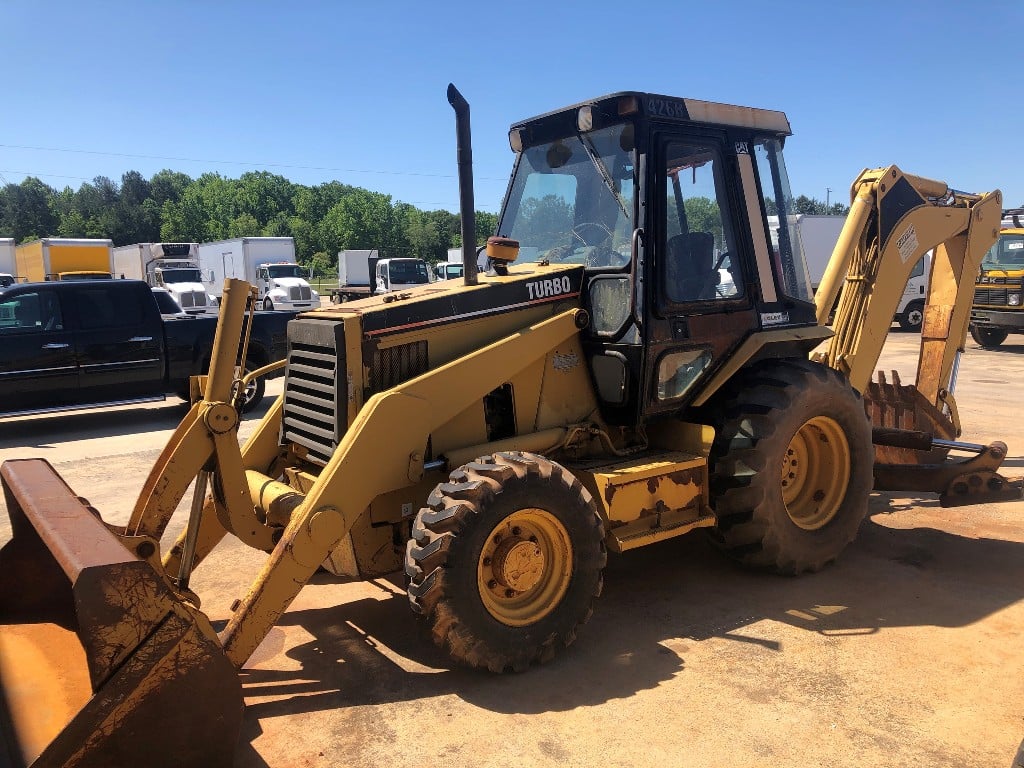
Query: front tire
{"points": [[791, 467], [505, 561], [989, 338], [268, 304]]}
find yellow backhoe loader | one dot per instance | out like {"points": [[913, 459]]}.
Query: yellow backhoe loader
{"points": [[635, 364]]}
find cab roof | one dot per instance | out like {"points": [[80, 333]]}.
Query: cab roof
{"points": [[675, 109]]}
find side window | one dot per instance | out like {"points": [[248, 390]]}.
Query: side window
{"points": [[98, 308], [777, 199], [698, 264], [31, 312], [918, 269]]}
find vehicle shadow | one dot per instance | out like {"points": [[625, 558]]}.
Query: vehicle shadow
{"points": [[44, 431], [657, 602]]}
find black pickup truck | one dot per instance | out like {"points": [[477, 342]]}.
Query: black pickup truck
{"points": [[85, 344]]}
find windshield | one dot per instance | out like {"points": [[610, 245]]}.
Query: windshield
{"points": [[167, 304], [180, 276], [285, 270], [572, 200], [408, 272], [1006, 254]]}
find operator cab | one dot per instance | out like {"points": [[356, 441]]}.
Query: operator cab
{"points": [[664, 203]]}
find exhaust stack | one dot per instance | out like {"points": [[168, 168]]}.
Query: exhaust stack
{"points": [[467, 211]]}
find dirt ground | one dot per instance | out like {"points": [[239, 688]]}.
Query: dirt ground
{"points": [[906, 652]]}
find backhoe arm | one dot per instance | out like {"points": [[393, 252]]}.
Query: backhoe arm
{"points": [[894, 219]]}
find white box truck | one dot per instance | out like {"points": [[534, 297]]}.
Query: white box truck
{"points": [[7, 271], [174, 266], [266, 262], [816, 236], [361, 273]]}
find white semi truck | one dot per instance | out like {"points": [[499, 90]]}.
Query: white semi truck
{"points": [[174, 266], [266, 262]]}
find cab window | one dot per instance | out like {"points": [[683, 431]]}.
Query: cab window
{"points": [[698, 240], [777, 201], [34, 311]]}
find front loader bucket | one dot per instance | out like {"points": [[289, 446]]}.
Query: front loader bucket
{"points": [[100, 663]]}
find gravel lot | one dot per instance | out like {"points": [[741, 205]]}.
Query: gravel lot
{"points": [[907, 652]]}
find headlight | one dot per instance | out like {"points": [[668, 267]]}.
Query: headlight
{"points": [[1013, 299]]}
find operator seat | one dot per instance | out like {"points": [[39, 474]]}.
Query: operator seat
{"points": [[691, 267]]}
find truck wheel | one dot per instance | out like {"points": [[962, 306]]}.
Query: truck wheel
{"points": [[505, 561], [268, 304], [912, 316], [791, 467], [254, 393], [989, 338]]}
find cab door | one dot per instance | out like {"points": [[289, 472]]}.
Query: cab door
{"points": [[699, 287], [119, 342], [38, 369]]}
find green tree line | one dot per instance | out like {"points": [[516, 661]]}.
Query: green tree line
{"points": [[173, 207], [323, 219]]}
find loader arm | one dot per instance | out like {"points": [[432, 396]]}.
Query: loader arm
{"points": [[363, 467]]}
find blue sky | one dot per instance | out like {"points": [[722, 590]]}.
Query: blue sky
{"points": [[317, 91]]}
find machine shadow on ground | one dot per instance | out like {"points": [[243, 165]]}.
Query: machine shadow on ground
{"points": [[657, 603], [45, 431]]}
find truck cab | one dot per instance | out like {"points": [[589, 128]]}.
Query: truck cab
{"points": [[184, 282], [668, 220], [398, 274], [284, 285], [998, 308], [448, 270]]}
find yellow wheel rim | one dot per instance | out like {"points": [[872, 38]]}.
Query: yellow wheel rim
{"points": [[815, 473], [525, 567]]}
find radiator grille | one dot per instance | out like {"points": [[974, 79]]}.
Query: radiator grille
{"points": [[394, 365], [991, 296], [189, 299], [315, 396], [300, 293]]}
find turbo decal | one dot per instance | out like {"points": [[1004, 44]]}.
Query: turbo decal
{"points": [[543, 289]]}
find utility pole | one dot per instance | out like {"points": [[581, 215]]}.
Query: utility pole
{"points": [[828, 193]]}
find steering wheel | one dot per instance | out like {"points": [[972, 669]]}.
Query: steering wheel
{"points": [[596, 224]]}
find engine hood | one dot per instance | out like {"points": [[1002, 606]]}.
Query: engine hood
{"points": [[185, 287], [289, 282], [434, 304]]}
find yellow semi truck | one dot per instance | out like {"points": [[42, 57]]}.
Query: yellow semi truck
{"points": [[998, 310], [57, 258]]}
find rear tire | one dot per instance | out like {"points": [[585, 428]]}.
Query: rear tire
{"points": [[989, 338], [791, 467], [505, 561], [912, 316]]}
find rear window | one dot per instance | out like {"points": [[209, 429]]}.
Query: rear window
{"points": [[105, 308]]}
